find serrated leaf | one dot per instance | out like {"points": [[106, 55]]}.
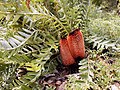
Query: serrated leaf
{"points": [[23, 34], [12, 42], [33, 9], [95, 44], [83, 67], [1, 16], [27, 31], [15, 40], [25, 20], [5, 44], [98, 46], [11, 53], [9, 16], [16, 18], [24, 87], [19, 37]]}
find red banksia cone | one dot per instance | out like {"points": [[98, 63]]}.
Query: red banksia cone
{"points": [[28, 3], [66, 56], [76, 44]]}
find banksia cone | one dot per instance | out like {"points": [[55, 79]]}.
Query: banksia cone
{"points": [[28, 3], [66, 56], [76, 44]]}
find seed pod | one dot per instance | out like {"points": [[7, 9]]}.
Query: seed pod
{"points": [[66, 56], [76, 44], [28, 3]]}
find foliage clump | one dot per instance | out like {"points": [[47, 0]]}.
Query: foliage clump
{"points": [[29, 38]]}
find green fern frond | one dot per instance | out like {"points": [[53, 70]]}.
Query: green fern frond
{"points": [[43, 16], [17, 40], [38, 14], [82, 79], [102, 43], [31, 37], [32, 71], [7, 76], [75, 13]]}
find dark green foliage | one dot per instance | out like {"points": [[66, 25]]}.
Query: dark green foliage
{"points": [[102, 43], [106, 5], [29, 38], [8, 76]]}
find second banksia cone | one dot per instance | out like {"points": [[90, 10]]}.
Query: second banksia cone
{"points": [[66, 56]]}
